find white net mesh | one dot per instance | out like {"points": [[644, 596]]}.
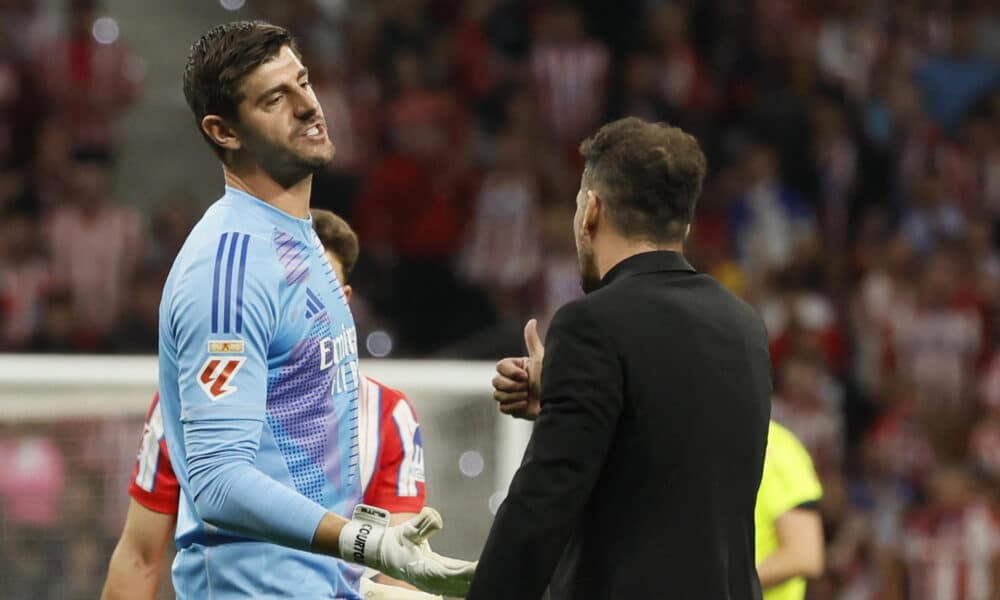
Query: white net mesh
{"points": [[69, 431]]}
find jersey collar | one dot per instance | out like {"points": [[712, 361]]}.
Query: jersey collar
{"points": [[266, 211], [647, 262]]}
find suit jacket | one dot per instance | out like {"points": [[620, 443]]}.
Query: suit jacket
{"points": [[641, 475]]}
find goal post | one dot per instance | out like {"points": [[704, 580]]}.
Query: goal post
{"points": [[91, 409]]}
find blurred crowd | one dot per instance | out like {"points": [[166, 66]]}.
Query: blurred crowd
{"points": [[853, 198], [72, 260], [63, 497]]}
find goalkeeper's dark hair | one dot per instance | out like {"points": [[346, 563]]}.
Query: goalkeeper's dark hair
{"points": [[649, 176], [221, 59], [337, 237]]}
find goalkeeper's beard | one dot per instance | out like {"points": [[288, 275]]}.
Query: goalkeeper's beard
{"points": [[283, 162]]}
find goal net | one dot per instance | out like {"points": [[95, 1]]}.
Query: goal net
{"points": [[69, 433]]}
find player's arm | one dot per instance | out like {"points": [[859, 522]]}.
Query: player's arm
{"points": [[800, 548], [398, 483], [581, 400], [794, 491], [134, 571], [223, 314]]}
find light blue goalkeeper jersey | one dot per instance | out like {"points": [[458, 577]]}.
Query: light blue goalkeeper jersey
{"points": [[258, 388]]}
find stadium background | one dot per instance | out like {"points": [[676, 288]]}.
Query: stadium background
{"points": [[853, 199]]}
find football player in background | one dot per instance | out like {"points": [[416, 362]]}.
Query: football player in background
{"points": [[788, 527]]}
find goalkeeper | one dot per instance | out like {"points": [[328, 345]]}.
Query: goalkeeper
{"points": [[391, 464], [258, 357]]}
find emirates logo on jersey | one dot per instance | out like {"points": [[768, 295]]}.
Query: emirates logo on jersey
{"points": [[217, 375]]}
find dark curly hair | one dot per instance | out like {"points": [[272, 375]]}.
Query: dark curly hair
{"points": [[649, 176]]}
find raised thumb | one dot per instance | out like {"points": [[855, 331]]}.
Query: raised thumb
{"points": [[531, 339]]}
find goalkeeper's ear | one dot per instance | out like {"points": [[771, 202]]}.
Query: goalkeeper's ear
{"points": [[221, 132]]}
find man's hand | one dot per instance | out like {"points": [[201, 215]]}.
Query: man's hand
{"points": [[517, 384], [402, 551]]}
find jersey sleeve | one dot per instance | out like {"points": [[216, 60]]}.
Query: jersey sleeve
{"points": [[223, 316], [153, 483], [398, 482], [789, 479]]}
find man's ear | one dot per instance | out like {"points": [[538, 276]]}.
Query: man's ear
{"points": [[592, 209], [348, 292], [220, 132]]}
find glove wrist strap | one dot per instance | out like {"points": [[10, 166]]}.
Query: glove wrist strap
{"points": [[362, 535]]}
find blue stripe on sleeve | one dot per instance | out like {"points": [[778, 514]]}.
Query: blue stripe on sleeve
{"points": [[229, 281], [215, 283], [239, 284]]}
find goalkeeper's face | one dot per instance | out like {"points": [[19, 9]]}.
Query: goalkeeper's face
{"points": [[281, 127]]}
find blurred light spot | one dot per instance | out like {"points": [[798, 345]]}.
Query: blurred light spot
{"points": [[471, 463], [333, 8], [379, 344], [232, 4], [105, 30], [496, 499]]}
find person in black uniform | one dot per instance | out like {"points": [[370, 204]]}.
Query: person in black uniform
{"points": [[651, 400]]}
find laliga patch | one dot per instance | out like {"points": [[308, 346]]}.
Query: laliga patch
{"points": [[217, 374], [225, 347]]}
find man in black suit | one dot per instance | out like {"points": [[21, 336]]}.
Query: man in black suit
{"points": [[652, 403]]}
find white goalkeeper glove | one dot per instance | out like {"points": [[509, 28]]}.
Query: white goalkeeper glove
{"points": [[402, 551]]}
